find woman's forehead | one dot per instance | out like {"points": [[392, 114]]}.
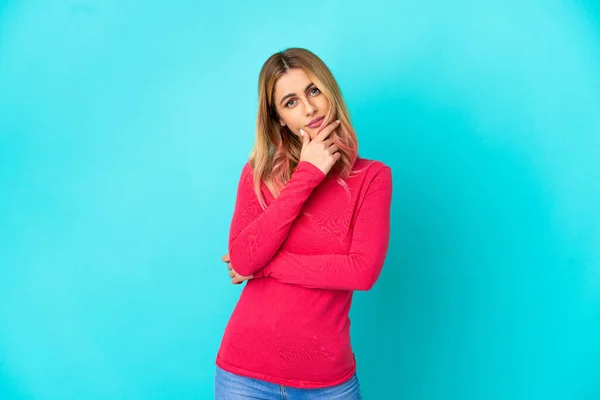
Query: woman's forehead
{"points": [[293, 81]]}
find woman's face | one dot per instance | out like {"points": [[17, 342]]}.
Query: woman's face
{"points": [[298, 102]]}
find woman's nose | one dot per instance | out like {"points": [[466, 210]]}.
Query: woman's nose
{"points": [[310, 109]]}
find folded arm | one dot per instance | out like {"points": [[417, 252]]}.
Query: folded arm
{"points": [[256, 234], [361, 267]]}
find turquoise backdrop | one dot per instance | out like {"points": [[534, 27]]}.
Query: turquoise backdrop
{"points": [[123, 129]]}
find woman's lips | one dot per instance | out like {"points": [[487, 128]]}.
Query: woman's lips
{"points": [[316, 124]]}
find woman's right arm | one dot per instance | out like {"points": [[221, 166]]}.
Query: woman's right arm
{"points": [[256, 234]]}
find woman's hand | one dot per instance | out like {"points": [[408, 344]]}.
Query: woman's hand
{"points": [[320, 151], [236, 278]]}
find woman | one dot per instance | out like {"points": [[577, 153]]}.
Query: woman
{"points": [[311, 224]]}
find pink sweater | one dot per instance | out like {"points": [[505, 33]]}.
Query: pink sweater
{"points": [[309, 250]]}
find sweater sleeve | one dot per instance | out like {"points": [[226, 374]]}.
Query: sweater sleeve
{"points": [[361, 267], [256, 234]]}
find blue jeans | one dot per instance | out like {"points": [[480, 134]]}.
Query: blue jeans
{"points": [[230, 386]]}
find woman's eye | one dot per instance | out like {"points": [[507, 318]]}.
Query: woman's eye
{"points": [[311, 91]]}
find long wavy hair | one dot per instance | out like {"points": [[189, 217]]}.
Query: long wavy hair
{"points": [[276, 151]]}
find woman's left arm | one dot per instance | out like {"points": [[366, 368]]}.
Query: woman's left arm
{"points": [[361, 267]]}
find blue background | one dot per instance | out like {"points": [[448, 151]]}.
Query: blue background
{"points": [[123, 129]]}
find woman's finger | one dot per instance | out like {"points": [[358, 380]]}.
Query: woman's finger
{"points": [[322, 135]]}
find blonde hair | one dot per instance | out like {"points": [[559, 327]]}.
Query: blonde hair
{"points": [[276, 152]]}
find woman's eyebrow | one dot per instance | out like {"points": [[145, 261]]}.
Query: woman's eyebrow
{"points": [[293, 94]]}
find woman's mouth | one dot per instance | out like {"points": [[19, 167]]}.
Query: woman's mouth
{"points": [[315, 123]]}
